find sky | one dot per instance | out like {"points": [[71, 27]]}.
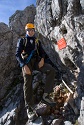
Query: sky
{"points": [[9, 7]]}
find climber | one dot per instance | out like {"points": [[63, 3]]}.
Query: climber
{"points": [[31, 55]]}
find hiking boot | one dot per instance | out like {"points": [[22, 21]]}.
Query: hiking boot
{"points": [[47, 100], [32, 115]]}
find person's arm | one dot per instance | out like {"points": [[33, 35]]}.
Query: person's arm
{"points": [[19, 50], [41, 63], [42, 55], [41, 51]]}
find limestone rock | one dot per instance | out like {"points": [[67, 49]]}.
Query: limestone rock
{"points": [[19, 19], [54, 19]]}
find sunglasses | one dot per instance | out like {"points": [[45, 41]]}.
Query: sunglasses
{"points": [[33, 30]]}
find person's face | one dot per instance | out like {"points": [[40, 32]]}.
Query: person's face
{"points": [[30, 32]]}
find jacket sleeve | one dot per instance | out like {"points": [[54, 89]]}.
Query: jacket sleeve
{"points": [[41, 51], [19, 50]]}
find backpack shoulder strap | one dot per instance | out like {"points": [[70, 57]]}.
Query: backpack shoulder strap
{"points": [[37, 41], [37, 45], [24, 42]]}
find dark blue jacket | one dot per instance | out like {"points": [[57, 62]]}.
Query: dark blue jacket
{"points": [[28, 49]]}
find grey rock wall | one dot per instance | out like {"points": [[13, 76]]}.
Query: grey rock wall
{"points": [[82, 4], [6, 73], [54, 19], [81, 118], [54, 22], [19, 19]]}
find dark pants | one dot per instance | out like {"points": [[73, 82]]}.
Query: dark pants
{"points": [[50, 75]]}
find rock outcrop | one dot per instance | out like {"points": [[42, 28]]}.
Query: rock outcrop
{"points": [[6, 66], [8, 40], [57, 19], [54, 22]]}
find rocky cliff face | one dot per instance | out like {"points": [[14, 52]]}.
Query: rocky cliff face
{"points": [[54, 20], [6, 67], [57, 19], [62, 19]]}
